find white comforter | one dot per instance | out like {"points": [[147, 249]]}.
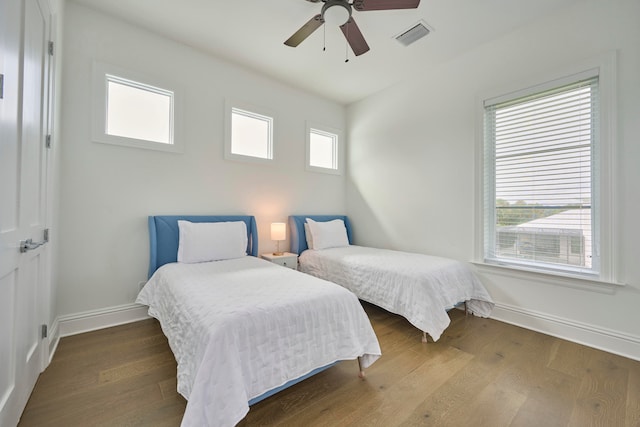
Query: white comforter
{"points": [[419, 287], [244, 326]]}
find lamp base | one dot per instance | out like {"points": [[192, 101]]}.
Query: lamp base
{"points": [[278, 253]]}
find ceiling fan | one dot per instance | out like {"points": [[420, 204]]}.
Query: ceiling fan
{"points": [[339, 12]]}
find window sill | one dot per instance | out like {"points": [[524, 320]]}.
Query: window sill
{"points": [[567, 280], [327, 171], [137, 143], [247, 159]]}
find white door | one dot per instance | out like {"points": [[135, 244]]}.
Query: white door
{"points": [[24, 123]]}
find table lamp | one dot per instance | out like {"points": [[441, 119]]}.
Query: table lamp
{"points": [[278, 233]]}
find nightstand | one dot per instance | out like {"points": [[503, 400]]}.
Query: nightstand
{"points": [[287, 259]]}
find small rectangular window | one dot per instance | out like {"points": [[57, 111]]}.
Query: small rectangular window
{"points": [[139, 111], [251, 134], [248, 132], [323, 149], [134, 110], [323, 146], [577, 244]]}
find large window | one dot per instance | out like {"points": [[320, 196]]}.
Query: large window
{"points": [[133, 110], [541, 162], [249, 133], [323, 149]]}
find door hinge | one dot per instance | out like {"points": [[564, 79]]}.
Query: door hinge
{"points": [[1, 86], [47, 142], [46, 235], [51, 48], [44, 331]]}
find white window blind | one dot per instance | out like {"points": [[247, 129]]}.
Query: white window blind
{"points": [[540, 200]]}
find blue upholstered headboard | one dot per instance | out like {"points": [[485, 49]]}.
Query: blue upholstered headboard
{"points": [[296, 229], [164, 236]]}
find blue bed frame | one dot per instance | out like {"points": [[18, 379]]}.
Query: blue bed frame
{"points": [[164, 238], [296, 229]]}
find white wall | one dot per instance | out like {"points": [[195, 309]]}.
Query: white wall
{"points": [[411, 182], [107, 191]]}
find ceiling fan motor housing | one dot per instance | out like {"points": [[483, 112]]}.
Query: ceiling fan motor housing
{"points": [[336, 12]]}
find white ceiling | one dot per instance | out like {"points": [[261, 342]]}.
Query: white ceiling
{"points": [[251, 33]]}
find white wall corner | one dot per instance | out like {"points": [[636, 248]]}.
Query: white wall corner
{"points": [[619, 343], [53, 341]]}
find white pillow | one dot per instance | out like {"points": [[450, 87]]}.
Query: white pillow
{"points": [[308, 236], [211, 241], [329, 234]]}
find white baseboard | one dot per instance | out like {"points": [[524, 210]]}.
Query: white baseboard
{"points": [[623, 344], [98, 319]]}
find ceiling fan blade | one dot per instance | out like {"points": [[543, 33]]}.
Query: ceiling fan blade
{"points": [[305, 31], [362, 5], [354, 37]]}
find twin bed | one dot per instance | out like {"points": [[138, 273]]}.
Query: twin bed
{"points": [[242, 328], [419, 287]]}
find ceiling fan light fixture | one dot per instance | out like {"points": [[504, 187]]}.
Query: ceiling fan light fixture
{"points": [[336, 12]]}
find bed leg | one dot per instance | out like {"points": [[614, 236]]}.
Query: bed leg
{"points": [[424, 337], [466, 312], [361, 373]]}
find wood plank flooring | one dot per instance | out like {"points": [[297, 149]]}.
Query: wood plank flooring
{"points": [[480, 373]]}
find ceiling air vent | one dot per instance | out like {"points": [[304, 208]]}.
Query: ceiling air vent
{"points": [[414, 33]]}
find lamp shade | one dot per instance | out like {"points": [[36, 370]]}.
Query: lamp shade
{"points": [[278, 231]]}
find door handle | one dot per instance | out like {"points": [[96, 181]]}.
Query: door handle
{"points": [[29, 245]]}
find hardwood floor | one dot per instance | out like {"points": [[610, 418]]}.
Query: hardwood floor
{"points": [[480, 373]]}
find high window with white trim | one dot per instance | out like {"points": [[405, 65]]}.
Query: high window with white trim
{"points": [[133, 110], [540, 188], [323, 149], [249, 133], [139, 111]]}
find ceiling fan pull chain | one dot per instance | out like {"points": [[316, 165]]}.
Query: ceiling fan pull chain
{"points": [[346, 46], [324, 38]]}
